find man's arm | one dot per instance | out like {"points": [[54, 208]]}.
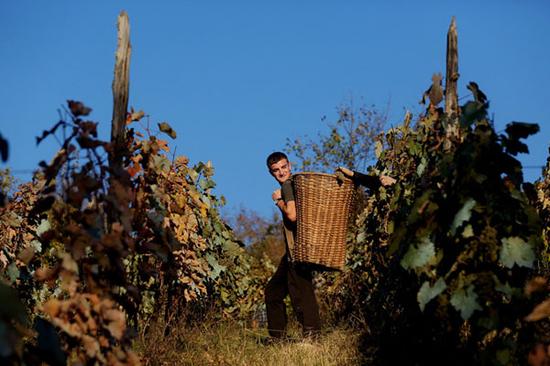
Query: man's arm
{"points": [[287, 208], [371, 182]]}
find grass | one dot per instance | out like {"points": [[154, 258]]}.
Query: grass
{"points": [[229, 343]]}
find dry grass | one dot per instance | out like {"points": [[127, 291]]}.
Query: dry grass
{"points": [[228, 343]]}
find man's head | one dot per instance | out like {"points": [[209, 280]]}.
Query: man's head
{"points": [[279, 166]]}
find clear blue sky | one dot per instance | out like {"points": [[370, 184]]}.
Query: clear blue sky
{"points": [[235, 79]]}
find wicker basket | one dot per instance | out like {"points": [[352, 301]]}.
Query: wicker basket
{"points": [[323, 206]]}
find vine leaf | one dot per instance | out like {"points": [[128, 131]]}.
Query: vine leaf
{"points": [[78, 108], [216, 267], [463, 215], [427, 292], [517, 130], [361, 236], [378, 148], [421, 167], [541, 311], [134, 116], [468, 232], [516, 251], [13, 272], [167, 129], [420, 255], [465, 301], [43, 227]]}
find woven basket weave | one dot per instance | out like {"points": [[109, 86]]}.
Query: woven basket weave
{"points": [[323, 206]]}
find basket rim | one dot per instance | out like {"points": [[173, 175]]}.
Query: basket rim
{"points": [[320, 174]]}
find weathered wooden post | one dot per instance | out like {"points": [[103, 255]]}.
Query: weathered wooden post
{"points": [[120, 92], [451, 77]]}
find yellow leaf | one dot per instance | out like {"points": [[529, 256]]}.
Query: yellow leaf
{"points": [[117, 322]]}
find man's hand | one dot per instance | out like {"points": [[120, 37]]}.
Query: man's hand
{"points": [[348, 173], [386, 180], [276, 195]]}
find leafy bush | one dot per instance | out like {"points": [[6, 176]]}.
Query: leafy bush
{"points": [[442, 256], [94, 251]]}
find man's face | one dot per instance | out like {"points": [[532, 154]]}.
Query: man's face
{"points": [[280, 170]]}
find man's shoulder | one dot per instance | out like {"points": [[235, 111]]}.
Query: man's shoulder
{"points": [[288, 184], [287, 190]]}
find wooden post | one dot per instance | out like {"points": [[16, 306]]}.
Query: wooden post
{"points": [[120, 92], [451, 77]]}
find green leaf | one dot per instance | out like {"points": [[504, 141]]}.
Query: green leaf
{"points": [[167, 129], [378, 148], [421, 167], [218, 227], [13, 272], [231, 248], [468, 232], [193, 174], [515, 250], [503, 356], [206, 184], [43, 227], [505, 288], [216, 267], [465, 301], [36, 245], [390, 227], [420, 255], [161, 163], [427, 292], [464, 214], [206, 201]]}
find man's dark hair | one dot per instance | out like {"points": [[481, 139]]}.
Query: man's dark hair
{"points": [[275, 158]]}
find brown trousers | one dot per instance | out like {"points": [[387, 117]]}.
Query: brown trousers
{"points": [[294, 280]]}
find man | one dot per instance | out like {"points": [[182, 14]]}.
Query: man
{"points": [[290, 278]]}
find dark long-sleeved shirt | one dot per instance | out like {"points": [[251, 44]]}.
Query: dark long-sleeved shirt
{"points": [[369, 181]]}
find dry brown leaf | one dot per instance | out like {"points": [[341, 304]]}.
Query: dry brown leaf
{"points": [[92, 325], [69, 263], [540, 311], [117, 227], [71, 329], [91, 346], [163, 145], [539, 356], [535, 285], [103, 342], [134, 116], [134, 169], [52, 307], [45, 273], [26, 255]]}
